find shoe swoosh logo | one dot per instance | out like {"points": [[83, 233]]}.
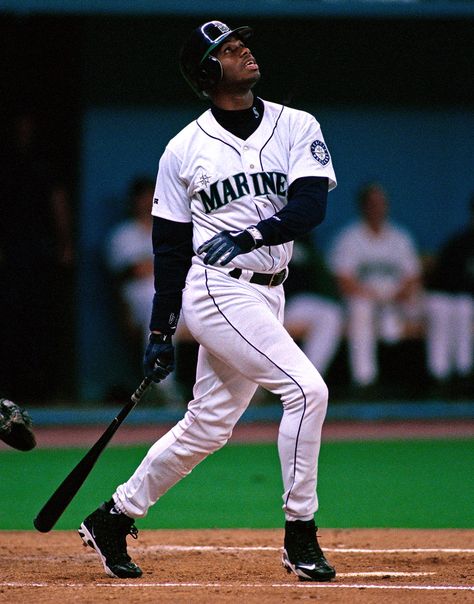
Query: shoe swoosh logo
{"points": [[306, 566]]}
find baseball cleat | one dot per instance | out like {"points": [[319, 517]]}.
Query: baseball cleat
{"points": [[107, 534], [302, 554]]}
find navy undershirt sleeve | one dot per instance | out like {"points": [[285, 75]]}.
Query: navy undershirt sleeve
{"points": [[173, 250], [306, 208]]}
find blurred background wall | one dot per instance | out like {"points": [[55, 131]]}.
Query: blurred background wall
{"points": [[390, 82]]}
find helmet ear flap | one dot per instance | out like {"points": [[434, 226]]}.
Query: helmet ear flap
{"points": [[210, 72]]}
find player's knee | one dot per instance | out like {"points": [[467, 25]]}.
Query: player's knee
{"points": [[216, 439], [215, 444], [311, 393], [316, 403], [319, 395]]}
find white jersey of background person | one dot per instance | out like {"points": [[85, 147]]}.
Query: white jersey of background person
{"points": [[129, 244], [382, 263]]}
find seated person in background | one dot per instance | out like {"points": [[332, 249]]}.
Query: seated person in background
{"points": [[450, 311], [313, 315], [129, 257], [379, 275]]}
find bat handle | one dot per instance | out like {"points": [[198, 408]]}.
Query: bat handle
{"points": [[140, 391]]}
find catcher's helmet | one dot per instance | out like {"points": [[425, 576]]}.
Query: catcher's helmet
{"points": [[199, 67]]}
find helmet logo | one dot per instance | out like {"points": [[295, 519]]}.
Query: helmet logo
{"points": [[221, 26]]}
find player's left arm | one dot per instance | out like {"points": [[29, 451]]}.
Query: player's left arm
{"points": [[306, 208], [311, 175]]}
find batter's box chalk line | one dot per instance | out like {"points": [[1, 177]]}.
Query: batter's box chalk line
{"points": [[342, 550], [137, 584]]}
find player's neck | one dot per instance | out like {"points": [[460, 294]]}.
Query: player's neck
{"points": [[233, 101]]}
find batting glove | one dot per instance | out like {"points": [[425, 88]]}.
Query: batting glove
{"points": [[158, 361], [225, 246]]}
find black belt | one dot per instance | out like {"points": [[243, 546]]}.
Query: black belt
{"points": [[261, 278]]}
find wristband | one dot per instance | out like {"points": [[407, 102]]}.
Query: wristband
{"points": [[256, 235]]}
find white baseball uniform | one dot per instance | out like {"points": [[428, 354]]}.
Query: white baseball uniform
{"points": [[129, 244], [217, 181], [383, 262], [449, 334]]}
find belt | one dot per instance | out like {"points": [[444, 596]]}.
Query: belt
{"points": [[261, 278]]}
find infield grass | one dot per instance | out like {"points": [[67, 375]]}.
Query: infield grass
{"points": [[409, 484]]}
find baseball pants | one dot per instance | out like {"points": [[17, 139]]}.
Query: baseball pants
{"points": [[243, 344], [450, 334]]}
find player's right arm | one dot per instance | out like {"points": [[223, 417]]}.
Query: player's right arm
{"points": [[172, 252], [172, 242]]}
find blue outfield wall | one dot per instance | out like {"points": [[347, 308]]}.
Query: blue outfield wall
{"points": [[423, 158]]}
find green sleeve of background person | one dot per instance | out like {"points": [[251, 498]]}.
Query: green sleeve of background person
{"points": [[308, 271]]}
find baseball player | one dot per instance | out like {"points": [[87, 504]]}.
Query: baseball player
{"points": [[234, 188], [378, 271], [449, 305]]}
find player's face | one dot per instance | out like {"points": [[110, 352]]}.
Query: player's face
{"points": [[238, 63]]}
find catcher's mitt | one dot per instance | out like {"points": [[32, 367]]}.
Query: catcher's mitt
{"points": [[15, 426]]}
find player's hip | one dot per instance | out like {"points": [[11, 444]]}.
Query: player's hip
{"points": [[212, 295]]}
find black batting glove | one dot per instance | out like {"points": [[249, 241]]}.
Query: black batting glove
{"points": [[225, 246], [158, 361]]}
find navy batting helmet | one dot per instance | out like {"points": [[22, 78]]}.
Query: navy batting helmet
{"points": [[199, 67]]}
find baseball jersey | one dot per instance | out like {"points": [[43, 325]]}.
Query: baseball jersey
{"points": [[217, 181], [128, 244], [380, 261]]}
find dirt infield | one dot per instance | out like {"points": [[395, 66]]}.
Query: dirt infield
{"points": [[373, 566]]}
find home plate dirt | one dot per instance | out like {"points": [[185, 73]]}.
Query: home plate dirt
{"points": [[373, 566]]}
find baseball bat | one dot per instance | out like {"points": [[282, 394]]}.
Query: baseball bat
{"points": [[63, 495]]}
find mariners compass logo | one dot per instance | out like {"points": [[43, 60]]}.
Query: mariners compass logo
{"points": [[204, 179], [320, 152]]}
